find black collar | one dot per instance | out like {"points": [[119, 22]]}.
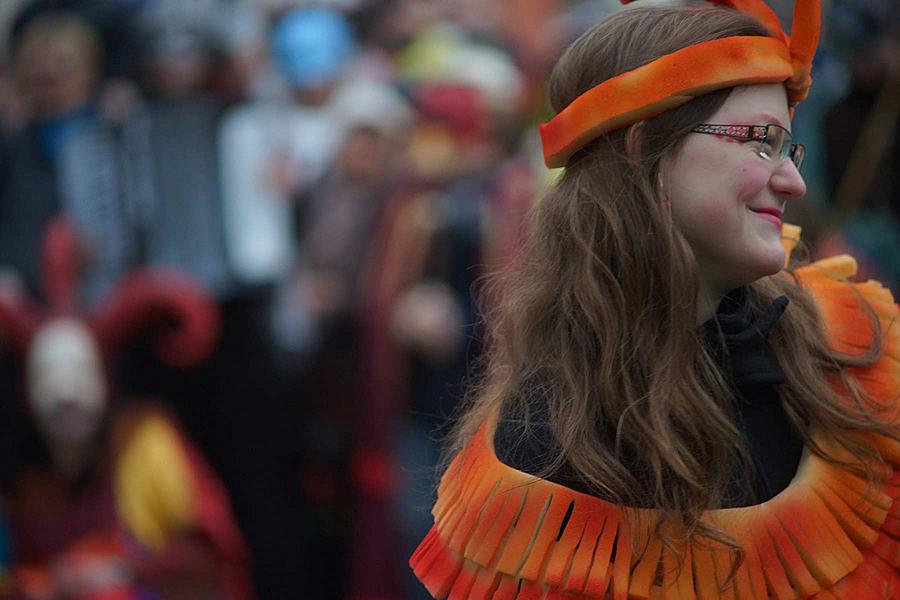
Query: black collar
{"points": [[738, 338]]}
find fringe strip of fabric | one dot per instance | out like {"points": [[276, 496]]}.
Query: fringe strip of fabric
{"points": [[500, 533]]}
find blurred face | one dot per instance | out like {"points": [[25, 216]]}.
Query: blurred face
{"points": [[66, 386], [56, 74], [727, 199], [181, 75], [432, 152], [363, 156]]}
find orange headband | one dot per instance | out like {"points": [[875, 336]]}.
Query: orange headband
{"points": [[679, 77]]}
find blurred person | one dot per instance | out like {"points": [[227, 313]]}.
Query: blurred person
{"points": [[66, 160], [862, 152], [270, 155], [334, 216], [12, 108], [108, 499], [111, 19], [445, 53], [419, 328], [231, 34], [67, 157], [179, 212], [181, 216], [113, 22], [318, 313], [533, 32], [394, 24], [489, 20], [273, 151]]}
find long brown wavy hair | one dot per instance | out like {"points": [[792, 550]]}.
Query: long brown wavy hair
{"points": [[600, 308]]}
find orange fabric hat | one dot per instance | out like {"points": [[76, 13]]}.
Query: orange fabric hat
{"points": [[677, 78]]}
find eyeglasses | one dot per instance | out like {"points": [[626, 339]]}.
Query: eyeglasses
{"points": [[775, 142]]}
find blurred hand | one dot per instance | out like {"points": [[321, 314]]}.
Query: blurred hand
{"points": [[79, 577], [118, 98], [287, 176], [428, 319], [277, 174], [328, 293]]}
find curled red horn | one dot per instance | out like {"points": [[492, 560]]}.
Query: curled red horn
{"points": [[181, 318], [62, 257]]}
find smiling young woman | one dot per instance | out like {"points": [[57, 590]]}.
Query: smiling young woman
{"points": [[667, 411], [727, 199]]}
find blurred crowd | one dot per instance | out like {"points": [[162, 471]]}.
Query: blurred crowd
{"points": [[338, 176]]}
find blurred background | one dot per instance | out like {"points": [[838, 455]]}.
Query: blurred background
{"points": [[338, 176]]}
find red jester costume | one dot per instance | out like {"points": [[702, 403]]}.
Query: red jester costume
{"points": [[143, 516]]}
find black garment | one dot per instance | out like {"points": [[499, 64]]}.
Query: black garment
{"points": [[737, 338], [28, 201], [70, 165], [180, 206]]}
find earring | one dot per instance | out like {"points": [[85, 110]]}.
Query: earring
{"points": [[667, 202]]}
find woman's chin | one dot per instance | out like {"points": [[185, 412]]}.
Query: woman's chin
{"points": [[758, 266], [769, 263]]}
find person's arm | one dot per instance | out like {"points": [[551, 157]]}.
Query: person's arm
{"points": [[174, 506]]}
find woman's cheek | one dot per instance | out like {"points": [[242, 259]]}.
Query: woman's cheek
{"points": [[704, 216], [752, 180], [719, 218]]}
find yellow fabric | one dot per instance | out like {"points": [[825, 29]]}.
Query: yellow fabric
{"points": [[790, 237], [153, 484]]}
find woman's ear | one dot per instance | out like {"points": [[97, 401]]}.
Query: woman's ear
{"points": [[633, 141]]}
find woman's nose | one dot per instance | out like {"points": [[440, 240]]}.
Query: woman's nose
{"points": [[788, 182]]}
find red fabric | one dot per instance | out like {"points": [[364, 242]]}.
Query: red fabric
{"points": [[180, 315], [50, 521], [184, 320], [62, 258], [51, 524]]}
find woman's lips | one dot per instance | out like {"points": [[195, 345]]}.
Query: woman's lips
{"points": [[772, 215]]}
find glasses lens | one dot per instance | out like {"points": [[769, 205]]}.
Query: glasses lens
{"points": [[773, 146], [798, 154]]}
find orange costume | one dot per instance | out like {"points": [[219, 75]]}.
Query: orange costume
{"points": [[502, 533]]}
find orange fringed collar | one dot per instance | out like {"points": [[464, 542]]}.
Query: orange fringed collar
{"points": [[499, 532]]}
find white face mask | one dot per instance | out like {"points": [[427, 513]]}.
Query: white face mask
{"points": [[66, 385]]}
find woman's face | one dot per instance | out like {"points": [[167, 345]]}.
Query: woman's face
{"points": [[723, 193]]}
